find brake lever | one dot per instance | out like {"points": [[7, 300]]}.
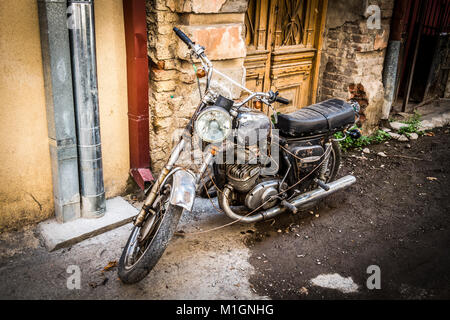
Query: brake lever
{"points": [[274, 111]]}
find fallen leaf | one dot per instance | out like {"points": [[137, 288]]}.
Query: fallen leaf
{"points": [[110, 265], [432, 178], [303, 291]]}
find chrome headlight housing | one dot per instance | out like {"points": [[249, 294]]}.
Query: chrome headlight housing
{"points": [[213, 125]]}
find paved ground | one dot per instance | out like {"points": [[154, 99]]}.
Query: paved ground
{"points": [[396, 217], [205, 266]]}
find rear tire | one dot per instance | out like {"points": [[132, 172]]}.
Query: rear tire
{"points": [[334, 163]]}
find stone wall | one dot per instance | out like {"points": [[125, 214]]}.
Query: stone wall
{"points": [[173, 94], [353, 57], [447, 89]]}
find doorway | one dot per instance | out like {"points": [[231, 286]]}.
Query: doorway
{"points": [[425, 52], [283, 39]]}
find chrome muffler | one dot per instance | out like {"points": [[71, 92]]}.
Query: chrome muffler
{"points": [[300, 202]]}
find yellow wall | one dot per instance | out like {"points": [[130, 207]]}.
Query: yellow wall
{"points": [[25, 172], [112, 85]]}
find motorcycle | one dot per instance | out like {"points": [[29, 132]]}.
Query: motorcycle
{"points": [[284, 164]]}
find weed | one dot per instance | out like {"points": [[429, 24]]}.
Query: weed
{"points": [[363, 141], [413, 126]]}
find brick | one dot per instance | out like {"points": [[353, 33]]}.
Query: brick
{"points": [[163, 86], [207, 6], [332, 44], [212, 6], [381, 41], [360, 38]]}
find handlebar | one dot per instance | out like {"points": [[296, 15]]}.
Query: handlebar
{"points": [[274, 96], [282, 100], [184, 37]]}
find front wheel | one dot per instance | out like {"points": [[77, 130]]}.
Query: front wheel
{"points": [[147, 243]]}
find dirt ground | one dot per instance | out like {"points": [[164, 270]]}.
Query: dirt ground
{"points": [[397, 216]]}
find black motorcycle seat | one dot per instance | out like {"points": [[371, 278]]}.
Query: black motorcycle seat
{"points": [[324, 117]]}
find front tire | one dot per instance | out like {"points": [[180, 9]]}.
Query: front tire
{"points": [[133, 269]]}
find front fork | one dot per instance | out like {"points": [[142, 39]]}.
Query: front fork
{"points": [[162, 176], [168, 168]]}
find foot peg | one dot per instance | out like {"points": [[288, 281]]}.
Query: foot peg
{"points": [[289, 206], [322, 184]]}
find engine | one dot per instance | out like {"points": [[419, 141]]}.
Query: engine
{"points": [[251, 188]]}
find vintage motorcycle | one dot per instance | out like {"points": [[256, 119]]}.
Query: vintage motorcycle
{"points": [[292, 163]]}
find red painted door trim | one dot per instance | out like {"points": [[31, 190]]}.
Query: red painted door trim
{"points": [[137, 76]]}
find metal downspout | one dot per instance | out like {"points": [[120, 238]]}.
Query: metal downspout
{"points": [[84, 69], [391, 62], [60, 109], [137, 81]]}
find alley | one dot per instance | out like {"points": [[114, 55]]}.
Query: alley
{"points": [[395, 217]]}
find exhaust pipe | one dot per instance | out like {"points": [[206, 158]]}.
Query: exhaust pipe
{"points": [[300, 202]]}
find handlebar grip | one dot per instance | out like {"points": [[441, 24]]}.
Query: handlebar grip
{"points": [[282, 100], [183, 37]]}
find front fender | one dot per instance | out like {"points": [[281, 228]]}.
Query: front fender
{"points": [[183, 189]]}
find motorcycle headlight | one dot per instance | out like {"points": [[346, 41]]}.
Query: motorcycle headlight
{"points": [[213, 125]]}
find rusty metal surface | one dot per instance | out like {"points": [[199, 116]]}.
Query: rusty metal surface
{"points": [[137, 76]]}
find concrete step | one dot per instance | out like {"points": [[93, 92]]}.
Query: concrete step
{"points": [[435, 115], [59, 235]]}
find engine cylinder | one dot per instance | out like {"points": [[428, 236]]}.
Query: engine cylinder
{"points": [[242, 177]]}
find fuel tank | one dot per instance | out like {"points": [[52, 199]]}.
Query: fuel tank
{"points": [[251, 126]]}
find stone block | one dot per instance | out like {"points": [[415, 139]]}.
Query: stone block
{"points": [[220, 41], [212, 6]]}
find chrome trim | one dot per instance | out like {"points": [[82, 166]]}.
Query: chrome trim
{"points": [[301, 202], [183, 190]]}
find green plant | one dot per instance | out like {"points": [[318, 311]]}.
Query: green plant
{"points": [[363, 141], [413, 125], [381, 136]]}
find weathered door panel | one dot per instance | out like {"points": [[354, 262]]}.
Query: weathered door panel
{"points": [[290, 75], [283, 48]]}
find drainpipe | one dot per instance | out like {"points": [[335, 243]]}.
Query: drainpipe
{"points": [[84, 69], [60, 109], [137, 71], [391, 62]]}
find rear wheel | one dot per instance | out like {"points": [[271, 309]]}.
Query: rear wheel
{"points": [[334, 162], [147, 243]]}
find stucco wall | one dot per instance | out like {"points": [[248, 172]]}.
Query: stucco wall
{"points": [[25, 173], [112, 87]]}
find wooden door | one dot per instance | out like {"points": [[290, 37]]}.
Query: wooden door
{"points": [[283, 40]]}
